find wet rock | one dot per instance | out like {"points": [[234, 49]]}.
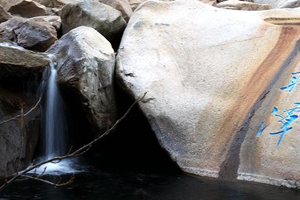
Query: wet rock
{"points": [[28, 8], [242, 5], [105, 19], [18, 137], [122, 5], [85, 64], [21, 66], [211, 83], [34, 33], [4, 16]]}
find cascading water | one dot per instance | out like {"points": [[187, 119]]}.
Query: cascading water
{"points": [[54, 123]]}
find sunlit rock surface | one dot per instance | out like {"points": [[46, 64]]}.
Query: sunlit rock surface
{"points": [[211, 80], [85, 64]]}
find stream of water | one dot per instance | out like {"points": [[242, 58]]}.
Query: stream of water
{"points": [[54, 126]]}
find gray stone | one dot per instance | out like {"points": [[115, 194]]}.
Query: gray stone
{"points": [[34, 33], [28, 8], [85, 64], [21, 66], [122, 5], [105, 19]]}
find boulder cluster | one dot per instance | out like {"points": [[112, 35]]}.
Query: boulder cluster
{"points": [[221, 77]]}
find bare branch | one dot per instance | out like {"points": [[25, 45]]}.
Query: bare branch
{"points": [[109, 130], [58, 184], [57, 159], [22, 114]]}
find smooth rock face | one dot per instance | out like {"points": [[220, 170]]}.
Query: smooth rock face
{"points": [[273, 158], [205, 89], [34, 34], [243, 5], [85, 64], [122, 5], [105, 19], [28, 8], [21, 66]]}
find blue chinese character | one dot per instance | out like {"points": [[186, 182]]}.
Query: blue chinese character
{"points": [[294, 81], [261, 129], [286, 121]]}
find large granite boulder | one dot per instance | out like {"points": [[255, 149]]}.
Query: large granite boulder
{"points": [[105, 19], [211, 80], [85, 64], [35, 33]]}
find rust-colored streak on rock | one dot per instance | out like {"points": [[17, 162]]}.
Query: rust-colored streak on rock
{"points": [[257, 84]]}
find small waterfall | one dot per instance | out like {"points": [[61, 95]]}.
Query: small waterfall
{"points": [[54, 122], [54, 125]]}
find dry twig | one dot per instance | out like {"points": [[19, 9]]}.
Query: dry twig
{"points": [[22, 114], [78, 152]]}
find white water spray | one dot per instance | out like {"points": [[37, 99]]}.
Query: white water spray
{"points": [[54, 123], [54, 126]]}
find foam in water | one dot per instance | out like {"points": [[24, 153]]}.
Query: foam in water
{"points": [[67, 166]]}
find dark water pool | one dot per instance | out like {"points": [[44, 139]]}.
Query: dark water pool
{"points": [[112, 184], [131, 165]]}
